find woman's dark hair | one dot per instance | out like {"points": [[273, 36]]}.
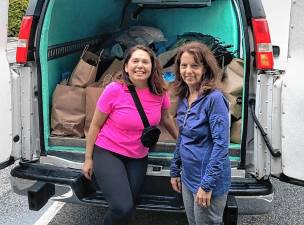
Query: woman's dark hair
{"points": [[202, 55], [156, 82]]}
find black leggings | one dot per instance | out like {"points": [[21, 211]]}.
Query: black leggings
{"points": [[120, 179]]}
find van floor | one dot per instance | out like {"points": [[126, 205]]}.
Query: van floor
{"points": [[162, 150]]}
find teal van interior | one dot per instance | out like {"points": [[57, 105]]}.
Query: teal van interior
{"points": [[69, 24]]}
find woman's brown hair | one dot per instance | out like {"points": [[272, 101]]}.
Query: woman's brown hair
{"points": [[156, 82], [202, 55]]}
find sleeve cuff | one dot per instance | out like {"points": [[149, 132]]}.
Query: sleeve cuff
{"points": [[175, 174], [206, 188]]}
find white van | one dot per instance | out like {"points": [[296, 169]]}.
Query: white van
{"points": [[266, 34]]}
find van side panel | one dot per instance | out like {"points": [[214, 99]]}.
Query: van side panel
{"points": [[73, 19], [5, 90], [293, 98]]}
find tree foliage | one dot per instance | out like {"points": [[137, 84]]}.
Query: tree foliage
{"points": [[16, 11]]}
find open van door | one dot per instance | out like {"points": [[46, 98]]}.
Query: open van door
{"points": [[279, 104], [6, 109], [293, 99]]}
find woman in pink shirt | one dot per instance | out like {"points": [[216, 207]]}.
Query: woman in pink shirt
{"points": [[114, 152]]}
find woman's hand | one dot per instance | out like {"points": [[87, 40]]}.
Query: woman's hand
{"points": [[97, 122], [87, 168], [176, 184], [203, 198]]}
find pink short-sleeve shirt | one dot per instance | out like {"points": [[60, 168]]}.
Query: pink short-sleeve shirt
{"points": [[122, 130]]}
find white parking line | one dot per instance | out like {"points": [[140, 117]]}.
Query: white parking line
{"points": [[50, 213]]}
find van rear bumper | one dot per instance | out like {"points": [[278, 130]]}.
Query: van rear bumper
{"points": [[71, 186]]}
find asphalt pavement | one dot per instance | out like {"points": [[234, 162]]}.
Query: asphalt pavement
{"points": [[288, 210], [14, 208]]}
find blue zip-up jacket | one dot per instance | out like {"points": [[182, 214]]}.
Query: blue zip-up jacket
{"points": [[201, 156]]}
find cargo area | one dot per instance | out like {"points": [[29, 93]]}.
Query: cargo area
{"points": [[71, 24]]}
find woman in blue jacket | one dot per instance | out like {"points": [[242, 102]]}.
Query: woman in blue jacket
{"points": [[200, 168]]}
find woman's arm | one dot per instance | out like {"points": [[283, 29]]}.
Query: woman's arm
{"points": [[219, 128], [175, 168], [97, 122], [169, 123]]}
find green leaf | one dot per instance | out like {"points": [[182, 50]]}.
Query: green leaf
{"points": [[16, 11]]}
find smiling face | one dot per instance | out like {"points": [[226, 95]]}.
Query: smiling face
{"points": [[191, 71], [139, 67]]}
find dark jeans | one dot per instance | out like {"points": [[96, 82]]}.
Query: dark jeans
{"points": [[120, 179]]}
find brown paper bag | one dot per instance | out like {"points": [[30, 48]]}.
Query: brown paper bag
{"points": [[116, 66], [84, 73], [164, 135], [92, 95], [68, 111], [235, 133], [111, 72], [94, 90], [235, 108], [173, 101], [232, 82], [232, 85]]}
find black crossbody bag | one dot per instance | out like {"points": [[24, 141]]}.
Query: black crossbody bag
{"points": [[150, 134]]}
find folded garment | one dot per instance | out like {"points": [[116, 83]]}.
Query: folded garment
{"points": [[140, 35], [167, 58]]}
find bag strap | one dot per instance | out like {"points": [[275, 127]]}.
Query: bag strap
{"points": [[139, 106], [84, 50], [99, 58]]}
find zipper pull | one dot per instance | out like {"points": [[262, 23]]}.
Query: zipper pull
{"points": [[185, 118]]}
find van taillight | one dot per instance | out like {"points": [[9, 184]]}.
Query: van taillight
{"points": [[263, 46], [23, 41]]}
